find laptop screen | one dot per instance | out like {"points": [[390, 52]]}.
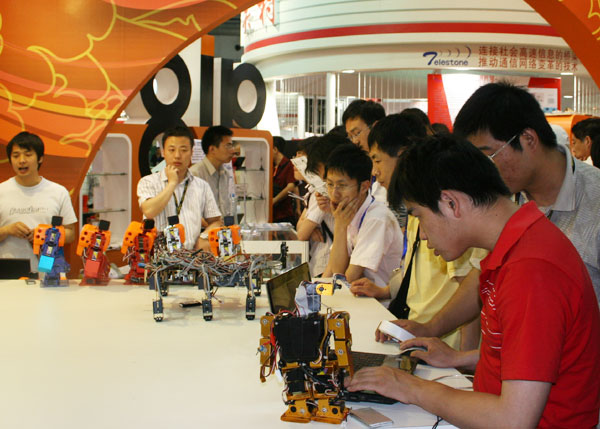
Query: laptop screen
{"points": [[11, 268], [282, 289]]}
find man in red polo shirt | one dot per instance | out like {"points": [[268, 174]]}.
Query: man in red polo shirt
{"points": [[538, 363]]}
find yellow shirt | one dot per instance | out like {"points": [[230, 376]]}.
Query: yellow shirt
{"points": [[433, 280]]}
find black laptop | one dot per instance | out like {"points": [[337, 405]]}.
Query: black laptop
{"points": [[282, 292], [15, 268], [282, 288]]}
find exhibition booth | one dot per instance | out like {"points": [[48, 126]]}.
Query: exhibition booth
{"points": [[100, 81]]}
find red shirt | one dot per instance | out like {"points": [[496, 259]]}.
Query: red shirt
{"points": [[540, 320], [282, 175]]}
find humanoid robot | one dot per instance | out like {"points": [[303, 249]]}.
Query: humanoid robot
{"points": [[314, 355], [137, 248], [93, 242], [48, 243]]}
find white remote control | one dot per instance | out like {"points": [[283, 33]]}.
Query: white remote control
{"points": [[394, 331]]}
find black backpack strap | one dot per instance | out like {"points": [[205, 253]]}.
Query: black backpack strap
{"points": [[398, 307]]}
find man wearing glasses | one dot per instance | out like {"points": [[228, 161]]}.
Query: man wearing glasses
{"points": [[359, 118], [507, 124], [538, 363], [367, 240]]}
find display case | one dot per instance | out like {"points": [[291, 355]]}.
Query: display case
{"points": [[253, 180], [106, 190]]}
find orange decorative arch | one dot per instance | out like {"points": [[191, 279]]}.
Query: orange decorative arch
{"points": [[67, 76], [68, 68], [578, 22]]}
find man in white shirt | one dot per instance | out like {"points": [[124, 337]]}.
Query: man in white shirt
{"points": [[359, 118], [317, 215], [175, 191], [27, 200], [367, 239], [217, 145]]}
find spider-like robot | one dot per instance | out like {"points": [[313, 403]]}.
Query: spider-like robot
{"points": [[174, 265]]}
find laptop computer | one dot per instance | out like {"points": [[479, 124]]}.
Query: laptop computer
{"points": [[15, 268], [282, 288], [282, 292]]}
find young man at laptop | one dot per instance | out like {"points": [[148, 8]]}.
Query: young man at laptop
{"points": [[427, 281], [367, 240], [27, 200], [538, 364]]}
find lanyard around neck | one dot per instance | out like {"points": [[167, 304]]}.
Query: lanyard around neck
{"points": [[178, 205], [362, 218]]}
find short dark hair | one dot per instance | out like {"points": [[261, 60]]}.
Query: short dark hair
{"points": [[178, 131], [306, 144], [444, 162], [369, 111], [351, 160], [319, 151], [503, 110], [340, 130], [587, 127], [418, 115], [395, 132], [279, 143], [213, 136], [440, 128], [595, 152], [28, 141]]}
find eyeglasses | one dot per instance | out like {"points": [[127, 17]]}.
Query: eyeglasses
{"points": [[342, 187], [491, 157], [355, 137]]}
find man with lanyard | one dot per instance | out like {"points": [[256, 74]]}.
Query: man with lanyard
{"points": [[367, 240], [175, 191]]}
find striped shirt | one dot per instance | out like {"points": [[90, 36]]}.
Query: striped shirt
{"points": [[576, 212], [198, 203], [220, 182]]}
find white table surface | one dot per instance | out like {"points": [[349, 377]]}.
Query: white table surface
{"points": [[93, 357]]}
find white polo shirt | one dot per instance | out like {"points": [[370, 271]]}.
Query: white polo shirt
{"points": [[319, 252], [375, 241], [198, 203]]}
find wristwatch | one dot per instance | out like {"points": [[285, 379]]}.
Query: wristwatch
{"points": [[204, 235]]}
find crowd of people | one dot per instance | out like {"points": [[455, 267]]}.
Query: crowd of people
{"points": [[483, 241]]}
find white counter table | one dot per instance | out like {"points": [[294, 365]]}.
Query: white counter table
{"points": [[93, 357]]}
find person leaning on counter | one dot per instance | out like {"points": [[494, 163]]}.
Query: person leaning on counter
{"points": [[28, 200], [175, 191], [538, 362]]}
